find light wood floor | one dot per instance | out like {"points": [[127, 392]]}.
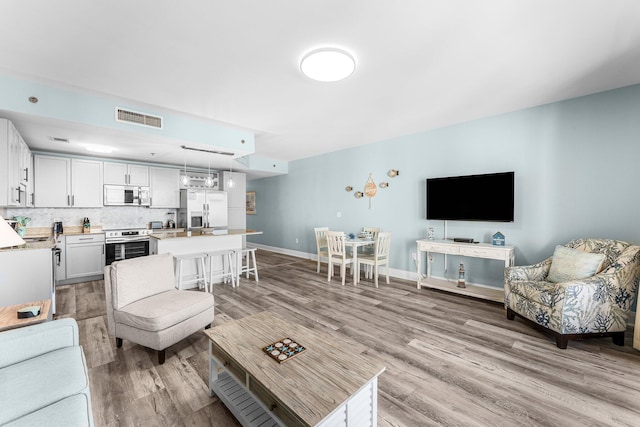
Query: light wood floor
{"points": [[450, 360]]}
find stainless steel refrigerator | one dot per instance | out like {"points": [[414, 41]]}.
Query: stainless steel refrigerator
{"points": [[203, 209]]}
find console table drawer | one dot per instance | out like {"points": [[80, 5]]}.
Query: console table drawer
{"points": [[441, 248], [483, 252]]}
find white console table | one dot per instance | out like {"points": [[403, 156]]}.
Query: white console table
{"points": [[475, 250]]}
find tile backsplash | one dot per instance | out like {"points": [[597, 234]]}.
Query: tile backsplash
{"points": [[107, 217]]}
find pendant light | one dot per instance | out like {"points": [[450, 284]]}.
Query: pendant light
{"points": [[230, 182], [209, 181], [184, 179]]}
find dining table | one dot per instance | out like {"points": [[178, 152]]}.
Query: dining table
{"points": [[355, 243]]}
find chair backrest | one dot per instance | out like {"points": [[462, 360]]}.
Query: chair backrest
{"points": [[371, 230], [321, 239], [335, 243], [137, 278], [382, 247], [612, 249]]}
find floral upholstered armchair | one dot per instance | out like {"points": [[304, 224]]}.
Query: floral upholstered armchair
{"points": [[596, 305]]}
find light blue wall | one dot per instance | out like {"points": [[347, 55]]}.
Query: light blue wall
{"points": [[576, 168]]}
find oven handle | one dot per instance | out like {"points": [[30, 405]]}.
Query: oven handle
{"points": [[125, 240]]}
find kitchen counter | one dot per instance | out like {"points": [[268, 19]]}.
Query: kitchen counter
{"points": [[43, 232], [179, 243], [171, 235]]}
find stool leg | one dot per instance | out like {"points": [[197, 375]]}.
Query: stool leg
{"points": [[231, 273], [255, 265], [204, 274]]}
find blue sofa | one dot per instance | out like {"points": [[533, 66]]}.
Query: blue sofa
{"points": [[43, 376]]}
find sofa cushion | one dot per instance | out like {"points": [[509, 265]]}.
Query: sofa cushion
{"points": [[163, 310], [41, 381], [72, 411], [150, 275], [572, 264]]}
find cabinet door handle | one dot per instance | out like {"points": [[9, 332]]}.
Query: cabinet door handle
{"points": [[73, 200], [26, 174], [33, 199], [68, 200]]}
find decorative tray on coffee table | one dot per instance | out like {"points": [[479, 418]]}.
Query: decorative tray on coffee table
{"points": [[284, 349]]}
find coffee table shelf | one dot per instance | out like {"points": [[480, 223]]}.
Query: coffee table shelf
{"points": [[244, 406]]}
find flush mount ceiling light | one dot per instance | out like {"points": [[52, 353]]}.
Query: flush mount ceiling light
{"points": [[328, 64], [96, 148]]}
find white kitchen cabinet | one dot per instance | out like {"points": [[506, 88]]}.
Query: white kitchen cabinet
{"points": [[126, 174], [84, 255], [165, 187], [62, 182], [15, 170], [237, 199], [52, 181], [236, 196], [86, 183]]}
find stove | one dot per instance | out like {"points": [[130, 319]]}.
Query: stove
{"points": [[126, 243], [126, 235]]}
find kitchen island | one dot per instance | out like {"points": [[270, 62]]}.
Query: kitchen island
{"points": [[179, 243]]}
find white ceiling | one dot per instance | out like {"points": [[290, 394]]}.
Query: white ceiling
{"points": [[421, 64]]}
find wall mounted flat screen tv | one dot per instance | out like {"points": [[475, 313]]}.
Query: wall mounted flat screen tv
{"points": [[488, 197]]}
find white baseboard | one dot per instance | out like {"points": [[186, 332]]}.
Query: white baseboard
{"points": [[393, 272]]}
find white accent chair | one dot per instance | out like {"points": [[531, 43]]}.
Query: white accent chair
{"points": [[321, 244], [380, 256], [143, 305], [337, 254]]}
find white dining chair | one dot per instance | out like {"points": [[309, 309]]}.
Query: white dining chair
{"points": [[337, 254], [368, 250], [380, 256], [321, 244]]}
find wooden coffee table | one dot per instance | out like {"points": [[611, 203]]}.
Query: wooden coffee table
{"points": [[331, 383]]}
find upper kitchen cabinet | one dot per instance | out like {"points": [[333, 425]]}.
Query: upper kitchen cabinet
{"points": [[165, 187], [62, 182], [126, 174], [16, 172]]}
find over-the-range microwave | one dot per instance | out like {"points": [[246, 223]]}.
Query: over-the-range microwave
{"points": [[126, 195]]}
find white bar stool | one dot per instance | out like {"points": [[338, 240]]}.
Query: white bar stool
{"points": [[200, 277], [250, 254], [226, 272]]}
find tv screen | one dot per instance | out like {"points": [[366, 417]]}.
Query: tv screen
{"points": [[488, 197]]}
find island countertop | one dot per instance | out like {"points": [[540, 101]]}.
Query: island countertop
{"points": [[171, 235]]}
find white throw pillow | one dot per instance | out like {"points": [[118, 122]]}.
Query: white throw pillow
{"points": [[571, 264]]}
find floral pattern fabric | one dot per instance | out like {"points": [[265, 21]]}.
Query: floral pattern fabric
{"points": [[600, 303]]}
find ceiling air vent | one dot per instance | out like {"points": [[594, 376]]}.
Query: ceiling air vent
{"points": [[58, 139], [134, 117]]}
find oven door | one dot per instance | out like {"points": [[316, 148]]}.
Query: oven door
{"points": [[125, 250]]}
